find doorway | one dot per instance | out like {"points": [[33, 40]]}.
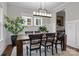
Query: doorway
{"points": [[60, 21]]}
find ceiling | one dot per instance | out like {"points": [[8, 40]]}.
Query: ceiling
{"points": [[35, 5]]}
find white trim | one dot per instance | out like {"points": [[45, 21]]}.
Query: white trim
{"points": [[1, 24], [35, 21], [60, 7], [26, 20]]}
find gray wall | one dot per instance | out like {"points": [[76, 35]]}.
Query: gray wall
{"points": [[72, 11]]}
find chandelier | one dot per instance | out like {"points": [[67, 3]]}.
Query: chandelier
{"points": [[42, 12]]}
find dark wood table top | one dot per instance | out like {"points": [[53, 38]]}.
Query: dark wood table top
{"points": [[25, 37]]}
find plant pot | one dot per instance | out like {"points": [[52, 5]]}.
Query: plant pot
{"points": [[13, 39]]}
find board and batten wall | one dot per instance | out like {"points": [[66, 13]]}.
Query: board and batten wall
{"points": [[14, 11], [72, 24]]}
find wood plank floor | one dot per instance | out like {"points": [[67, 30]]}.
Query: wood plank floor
{"points": [[8, 51], [9, 48]]}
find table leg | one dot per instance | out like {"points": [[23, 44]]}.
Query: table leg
{"points": [[19, 48], [64, 43]]}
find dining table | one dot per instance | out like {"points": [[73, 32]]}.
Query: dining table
{"points": [[24, 37]]}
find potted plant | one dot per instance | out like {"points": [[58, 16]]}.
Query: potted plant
{"points": [[43, 29], [14, 26]]}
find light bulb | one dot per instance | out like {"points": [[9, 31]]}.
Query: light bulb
{"points": [[50, 15], [34, 12], [45, 14], [37, 13], [40, 13]]}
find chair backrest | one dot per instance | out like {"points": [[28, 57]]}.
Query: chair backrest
{"points": [[29, 32], [50, 36], [37, 31], [60, 35], [35, 39]]}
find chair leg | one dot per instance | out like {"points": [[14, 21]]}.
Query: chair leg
{"points": [[40, 51], [27, 50], [56, 48], [45, 51], [61, 46], [52, 49], [30, 52]]}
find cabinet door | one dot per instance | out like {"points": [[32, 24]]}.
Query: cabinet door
{"points": [[70, 27]]}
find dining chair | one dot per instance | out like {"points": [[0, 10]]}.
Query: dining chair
{"points": [[35, 43], [49, 41], [37, 31], [29, 32], [59, 40]]}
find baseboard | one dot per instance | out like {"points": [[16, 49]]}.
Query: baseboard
{"points": [[73, 48]]}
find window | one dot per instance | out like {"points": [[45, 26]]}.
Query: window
{"points": [[38, 21], [28, 20], [1, 24]]}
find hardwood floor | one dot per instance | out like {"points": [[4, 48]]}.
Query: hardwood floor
{"points": [[8, 51], [9, 48]]}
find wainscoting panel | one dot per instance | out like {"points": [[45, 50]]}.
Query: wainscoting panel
{"points": [[72, 30]]}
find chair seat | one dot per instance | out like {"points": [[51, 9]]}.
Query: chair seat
{"points": [[47, 44], [58, 42], [26, 42], [33, 46]]}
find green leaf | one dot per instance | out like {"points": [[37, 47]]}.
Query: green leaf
{"points": [[14, 26]]}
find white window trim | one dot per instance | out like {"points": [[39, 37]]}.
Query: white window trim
{"points": [[1, 24], [31, 21], [35, 21]]}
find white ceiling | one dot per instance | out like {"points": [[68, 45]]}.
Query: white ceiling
{"points": [[35, 5]]}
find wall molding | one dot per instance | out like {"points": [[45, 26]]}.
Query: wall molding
{"points": [[76, 49], [60, 7]]}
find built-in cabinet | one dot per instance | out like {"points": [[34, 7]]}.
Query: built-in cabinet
{"points": [[72, 31]]}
